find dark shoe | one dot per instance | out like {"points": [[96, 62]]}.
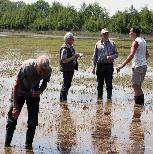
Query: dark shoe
{"points": [[63, 96], [8, 137], [99, 99], [29, 138], [142, 99], [100, 94], [139, 99], [109, 100], [28, 147], [136, 99], [109, 95]]}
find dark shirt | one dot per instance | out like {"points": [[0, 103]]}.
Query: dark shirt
{"points": [[64, 54], [30, 79]]}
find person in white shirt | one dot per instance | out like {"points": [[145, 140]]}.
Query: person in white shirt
{"points": [[139, 55]]}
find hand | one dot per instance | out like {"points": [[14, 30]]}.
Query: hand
{"points": [[109, 57], [80, 54], [36, 93], [118, 69], [76, 55], [93, 71], [15, 113]]}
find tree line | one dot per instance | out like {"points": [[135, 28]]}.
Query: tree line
{"points": [[40, 16]]}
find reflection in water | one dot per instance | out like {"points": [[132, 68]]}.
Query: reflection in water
{"points": [[29, 151], [12, 150], [101, 136], [66, 131], [136, 131], [8, 150]]}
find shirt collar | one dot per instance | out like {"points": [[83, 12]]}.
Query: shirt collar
{"points": [[69, 46], [104, 43]]}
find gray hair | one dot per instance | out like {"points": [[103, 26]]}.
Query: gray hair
{"points": [[43, 61], [68, 35]]}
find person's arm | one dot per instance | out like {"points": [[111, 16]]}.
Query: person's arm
{"points": [[147, 53], [130, 56], [64, 56], [114, 54], [36, 93], [44, 84], [67, 60], [15, 112], [94, 59]]}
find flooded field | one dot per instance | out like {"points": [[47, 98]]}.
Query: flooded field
{"points": [[83, 125]]}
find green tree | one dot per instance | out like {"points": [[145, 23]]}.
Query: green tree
{"points": [[146, 20]]}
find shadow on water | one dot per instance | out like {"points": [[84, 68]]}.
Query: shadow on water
{"points": [[66, 130], [136, 131], [101, 136]]}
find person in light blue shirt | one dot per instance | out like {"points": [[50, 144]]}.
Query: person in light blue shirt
{"points": [[104, 54]]}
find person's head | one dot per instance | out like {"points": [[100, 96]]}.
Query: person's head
{"points": [[69, 38], [104, 34], [43, 68], [134, 32]]}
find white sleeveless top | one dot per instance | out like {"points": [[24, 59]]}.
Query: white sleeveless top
{"points": [[140, 55]]}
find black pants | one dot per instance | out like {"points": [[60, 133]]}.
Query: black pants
{"points": [[33, 109], [104, 72], [67, 79]]}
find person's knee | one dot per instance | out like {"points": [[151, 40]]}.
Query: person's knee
{"points": [[67, 86], [136, 86], [11, 126], [100, 82]]}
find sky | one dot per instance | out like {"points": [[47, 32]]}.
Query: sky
{"points": [[111, 5]]}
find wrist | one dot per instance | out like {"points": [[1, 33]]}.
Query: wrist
{"points": [[122, 65], [73, 57]]}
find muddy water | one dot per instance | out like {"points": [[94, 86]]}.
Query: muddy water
{"points": [[83, 125]]}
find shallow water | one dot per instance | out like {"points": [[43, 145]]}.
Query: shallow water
{"points": [[83, 124]]}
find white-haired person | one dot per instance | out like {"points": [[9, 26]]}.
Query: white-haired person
{"points": [[68, 63], [104, 54], [27, 88]]}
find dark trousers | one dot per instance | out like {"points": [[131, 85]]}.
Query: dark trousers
{"points": [[33, 109], [67, 79], [104, 72]]}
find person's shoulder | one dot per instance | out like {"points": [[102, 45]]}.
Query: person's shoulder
{"points": [[111, 42], [98, 42], [64, 46], [139, 40], [28, 63]]}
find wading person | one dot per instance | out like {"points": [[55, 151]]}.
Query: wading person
{"points": [[27, 88], [104, 54], [139, 55], [68, 63]]}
